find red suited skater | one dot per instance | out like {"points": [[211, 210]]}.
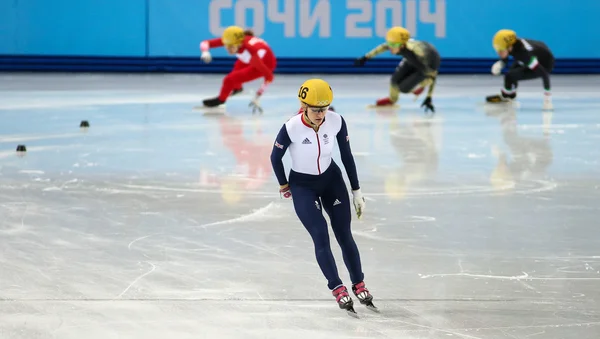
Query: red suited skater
{"points": [[255, 60]]}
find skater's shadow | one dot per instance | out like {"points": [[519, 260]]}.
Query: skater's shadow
{"points": [[528, 157], [415, 141]]}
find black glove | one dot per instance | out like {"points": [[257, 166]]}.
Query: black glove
{"points": [[255, 106], [428, 105], [360, 61]]}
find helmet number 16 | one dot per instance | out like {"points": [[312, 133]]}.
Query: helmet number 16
{"points": [[302, 92]]}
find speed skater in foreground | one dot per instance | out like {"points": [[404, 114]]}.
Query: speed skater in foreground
{"points": [[255, 60], [417, 70], [316, 183]]}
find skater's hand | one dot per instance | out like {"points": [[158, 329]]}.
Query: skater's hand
{"points": [[206, 57], [269, 78], [255, 105], [360, 61], [284, 192], [359, 202], [428, 105], [497, 67]]}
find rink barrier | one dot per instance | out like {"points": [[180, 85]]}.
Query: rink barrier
{"points": [[284, 66]]}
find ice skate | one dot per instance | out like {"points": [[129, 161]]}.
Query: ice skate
{"points": [[417, 92], [344, 301], [213, 102], [384, 102], [364, 296], [503, 97]]}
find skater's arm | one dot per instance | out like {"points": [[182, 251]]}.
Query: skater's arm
{"points": [[376, 51], [282, 142], [211, 43], [346, 154]]}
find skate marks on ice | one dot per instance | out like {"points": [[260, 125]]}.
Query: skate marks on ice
{"points": [[568, 269], [261, 214], [371, 229], [524, 276], [310, 319]]}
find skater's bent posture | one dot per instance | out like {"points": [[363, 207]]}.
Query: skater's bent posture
{"points": [[532, 60], [418, 69], [316, 184], [255, 60]]}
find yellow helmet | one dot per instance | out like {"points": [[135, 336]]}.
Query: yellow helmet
{"points": [[503, 39], [315, 93], [233, 36], [397, 36]]}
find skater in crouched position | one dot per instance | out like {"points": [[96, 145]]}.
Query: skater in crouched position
{"points": [[255, 60], [316, 184], [418, 69], [532, 60]]}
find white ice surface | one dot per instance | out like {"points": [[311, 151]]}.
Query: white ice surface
{"points": [[163, 222]]}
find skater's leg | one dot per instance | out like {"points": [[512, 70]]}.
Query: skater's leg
{"points": [[336, 203], [512, 78], [411, 82], [238, 65], [235, 79], [308, 209], [402, 71]]}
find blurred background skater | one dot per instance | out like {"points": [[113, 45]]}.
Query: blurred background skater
{"points": [[417, 70], [316, 183], [532, 60], [255, 60]]}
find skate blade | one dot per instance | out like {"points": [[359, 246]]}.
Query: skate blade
{"points": [[351, 312], [372, 308], [218, 110]]}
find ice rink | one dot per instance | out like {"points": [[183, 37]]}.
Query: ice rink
{"points": [[164, 222]]}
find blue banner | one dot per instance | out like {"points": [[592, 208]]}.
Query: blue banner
{"points": [[73, 28], [349, 28], [294, 28]]}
